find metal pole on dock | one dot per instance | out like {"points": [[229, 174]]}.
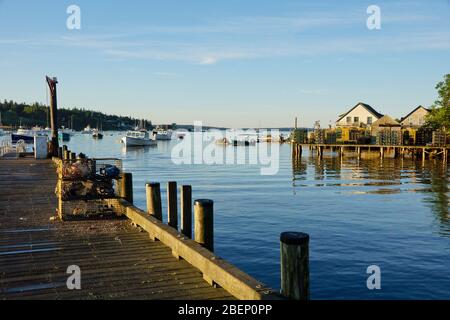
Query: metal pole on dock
{"points": [[186, 211], [294, 254], [172, 208], [204, 223], [153, 193], [126, 187]]}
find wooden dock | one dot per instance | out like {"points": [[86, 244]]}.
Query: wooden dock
{"points": [[395, 151], [117, 260]]}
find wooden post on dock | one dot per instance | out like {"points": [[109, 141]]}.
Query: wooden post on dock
{"points": [[359, 152], [423, 155], [186, 211], [294, 255], [66, 155], [126, 187], [172, 207], [54, 144], [204, 223], [381, 152], [153, 195], [60, 153], [73, 156]]}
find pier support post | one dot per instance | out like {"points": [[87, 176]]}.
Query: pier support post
{"points": [[423, 154], [359, 152], [153, 195], [126, 187], [172, 208], [73, 156], [204, 223], [66, 155], [294, 249], [60, 153], [186, 211]]}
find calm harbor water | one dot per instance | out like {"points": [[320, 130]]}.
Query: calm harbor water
{"points": [[390, 213]]}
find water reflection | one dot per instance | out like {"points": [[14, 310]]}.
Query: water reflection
{"points": [[379, 177]]}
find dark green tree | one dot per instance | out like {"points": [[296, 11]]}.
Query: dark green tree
{"points": [[439, 117]]}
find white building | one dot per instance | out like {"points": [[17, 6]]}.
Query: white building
{"points": [[360, 115], [415, 118]]}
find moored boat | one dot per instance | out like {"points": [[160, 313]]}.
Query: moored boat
{"points": [[97, 134], [138, 138], [162, 135]]}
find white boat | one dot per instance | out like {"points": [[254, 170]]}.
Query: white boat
{"points": [[162, 135], [138, 138], [87, 130], [96, 134]]}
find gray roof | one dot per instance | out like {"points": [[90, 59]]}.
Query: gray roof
{"points": [[366, 106]]}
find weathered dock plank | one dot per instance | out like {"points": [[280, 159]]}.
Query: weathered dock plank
{"points": [[117, 261]]}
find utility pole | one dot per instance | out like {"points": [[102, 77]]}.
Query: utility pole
{"points": [[53, 150]]}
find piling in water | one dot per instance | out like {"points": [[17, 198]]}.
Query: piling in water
{"points": [[294, 256], [186, 211], [153, 192], [204, 223], [172, 210]]}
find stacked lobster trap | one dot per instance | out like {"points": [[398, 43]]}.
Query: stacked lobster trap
{"points": [[86, 186]]}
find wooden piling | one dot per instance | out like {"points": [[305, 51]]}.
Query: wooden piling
{"points": [[153, 195], [204, 223], [172, 209], [423, 155], [66, 155], [186, 211], [60, 153], [72, 156], [126, 187], [294, 249]]}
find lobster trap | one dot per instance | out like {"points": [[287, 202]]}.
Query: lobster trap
{"points": [[85, 186]]}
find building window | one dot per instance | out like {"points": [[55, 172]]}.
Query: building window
{"points": [[369, 120], [349, 119], [356, 119]]}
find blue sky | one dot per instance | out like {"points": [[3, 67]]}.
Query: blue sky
{"points": [[228, 63]]}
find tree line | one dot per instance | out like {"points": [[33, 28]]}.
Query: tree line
{"points": [[36, 114]]}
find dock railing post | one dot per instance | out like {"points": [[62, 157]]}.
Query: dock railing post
{"points": [[186, 211], [172, 209], [294, 255], [153, 193], [126, 187], [204, 223], [66, 155]]}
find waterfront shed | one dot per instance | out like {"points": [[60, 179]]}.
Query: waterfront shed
{"points": [[415, 118], [361, 115]]}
